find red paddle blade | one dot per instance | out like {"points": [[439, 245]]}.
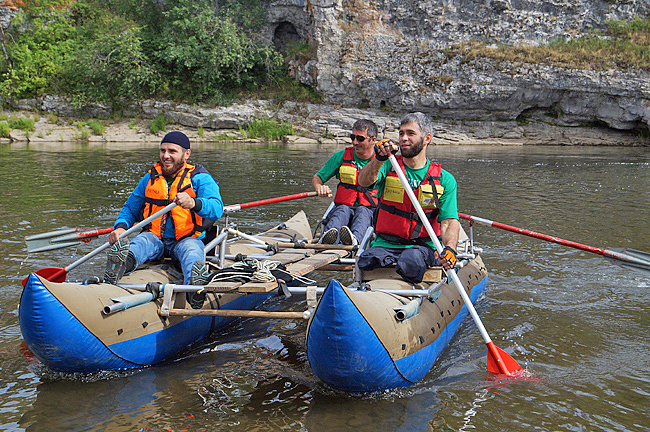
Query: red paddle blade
{"points": [[499, 362], [53, 274], [27, 353]]}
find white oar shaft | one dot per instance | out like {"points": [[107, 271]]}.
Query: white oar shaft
{"points": [[246, 236], [436, 242], [124, 234]]}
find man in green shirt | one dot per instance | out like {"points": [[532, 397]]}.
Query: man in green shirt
{"points": [[348, 221], [401, 237]]}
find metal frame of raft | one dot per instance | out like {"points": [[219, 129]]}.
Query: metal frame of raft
{"points": [[365, 338], [132, 335], [65, 326]]}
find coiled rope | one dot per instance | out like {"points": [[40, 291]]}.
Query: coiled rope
{"points": [[262, 272]]}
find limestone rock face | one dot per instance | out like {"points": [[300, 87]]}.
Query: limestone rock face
{"points": [[395, 53]]}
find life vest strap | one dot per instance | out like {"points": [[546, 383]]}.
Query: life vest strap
{"points": [[420, 241], [407, 214], [361, 189], [157, 202]]}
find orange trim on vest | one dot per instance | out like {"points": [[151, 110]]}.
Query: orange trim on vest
{"points": [[157, 196], [348, 190], [396, 219]]}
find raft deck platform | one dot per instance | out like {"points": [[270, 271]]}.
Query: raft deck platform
{"points": [[298, 264]]}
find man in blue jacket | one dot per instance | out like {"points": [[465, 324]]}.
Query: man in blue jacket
{"points": [[177, 234]]}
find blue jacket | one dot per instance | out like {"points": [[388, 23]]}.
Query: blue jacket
{"points": [[209, 204]]}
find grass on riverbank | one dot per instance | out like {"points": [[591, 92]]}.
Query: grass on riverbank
{"points": [[267, 129], [25, 124], [622, 45]]}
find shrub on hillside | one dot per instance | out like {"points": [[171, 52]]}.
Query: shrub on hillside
{"points": [[96, 51]]}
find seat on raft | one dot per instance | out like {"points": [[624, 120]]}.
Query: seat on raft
{"points": [[432, 275]]}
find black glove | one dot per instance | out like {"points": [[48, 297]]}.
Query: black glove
{"points": [[450, 255], [377, 156]]}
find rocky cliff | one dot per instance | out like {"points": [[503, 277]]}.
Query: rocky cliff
{"points": [[397, 54], [381, 58]]}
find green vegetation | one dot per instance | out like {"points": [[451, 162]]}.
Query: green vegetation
{"points": [[82, 135], [23, 123], [282, 89], [5, 130], [327, 134], [159, 123], [116, 51], [97, 127], [224, 137], [302, 51], [623, 45], [268, 129]]}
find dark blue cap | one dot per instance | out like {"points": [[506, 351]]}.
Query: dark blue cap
{"points": [[177, 137]]}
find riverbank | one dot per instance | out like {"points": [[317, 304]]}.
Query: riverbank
{"points": [[56, 122]]}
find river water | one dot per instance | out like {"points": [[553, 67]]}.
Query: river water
{"points": [[579, 323]]}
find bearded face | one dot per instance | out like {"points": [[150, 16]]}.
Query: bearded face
{"points": [[414, 149], [411, 140], [172, 158], [170, 169]]}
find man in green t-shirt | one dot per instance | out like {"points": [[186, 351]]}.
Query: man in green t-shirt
{"points": [[351, 216], [401, 238]]}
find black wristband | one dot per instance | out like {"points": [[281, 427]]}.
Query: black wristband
{"points": [[449, 248], [383, 158], [378, 157]]}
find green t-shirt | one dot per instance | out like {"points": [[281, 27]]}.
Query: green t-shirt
{"points": [[331, 167], [448, 205]]}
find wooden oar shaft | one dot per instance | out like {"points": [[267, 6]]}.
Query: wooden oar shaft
{"points": [[236, 207], [569, 243], [315, 246], [235, 313]]}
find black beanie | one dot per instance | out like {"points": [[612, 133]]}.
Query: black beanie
{"points": [[177, 137]]}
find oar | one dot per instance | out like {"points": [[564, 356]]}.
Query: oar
{"points": [[60, 239], [57, 274], [632, 258], [236, 207], [498, 361]]}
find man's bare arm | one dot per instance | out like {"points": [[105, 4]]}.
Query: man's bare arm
{"points": [[369, 173], [449, 232], [318, 185]]}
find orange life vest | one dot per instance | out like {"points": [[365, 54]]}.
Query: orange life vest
{"points": [[158, 195], [396, 219], [348, 191]]}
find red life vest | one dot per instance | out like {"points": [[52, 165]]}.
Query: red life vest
{"points": [[348, 191], [158, 195], [396, 219]]}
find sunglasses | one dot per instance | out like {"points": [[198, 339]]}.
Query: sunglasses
{"points": [[359, 138]]}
